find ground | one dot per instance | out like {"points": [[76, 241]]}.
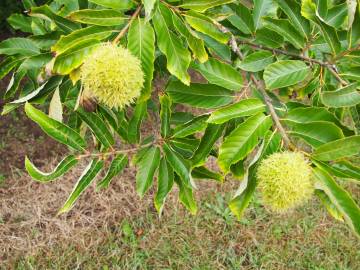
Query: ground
{"points": [[114, 229]]}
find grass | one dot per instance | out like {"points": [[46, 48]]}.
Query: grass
{"points": [[213, 239]]}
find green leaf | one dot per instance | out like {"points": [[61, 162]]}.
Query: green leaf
{"points": [[203, 5], [292, 10], [198, 95], [165, 115], [330, 207], [123, 4], [245, 107], [84, 181], [341, 198], [141, 43], [195, 125], [204, 173], [206, 26], [283, 27], [178, 57], [344, 97], [256, 61], [45, 12], [20, 22], [195, 43], [267, 37], [41, 91], [98, 127], [261, 8], [211, 135], [315, 133], [341, 148], [102, 17], [184, 146], [135, 122], [337, 15], [21, 46], [179, 164], [242, 19], [8, 65], [55, 129], [342, 169], [219, 73], [64, 166], [146, 168], [242, 140], [74, 56], [285, 73], [117, 166], [186, 195], [331, 37], [79, 36], [165, 184]]}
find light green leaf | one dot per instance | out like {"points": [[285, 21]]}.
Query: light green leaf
{"points": [[165, 184], [341, 148], [203, 5], [141, 43], [84, 181], [45, 12], [55, 129], [341, 198], [219, 73], [179, 164], [284, 28], [146, 168], [74, 56], [285, 73], [242, 140], [123, 4], [149, 6], [330, 207], [245, 107], [199, 95], [195, 43], [102, 17], [21, 46], [55, 107], [117, 166], [211, 135], [79, 36], [165, 115], [98, 127], [204, 25], [64, 166], [256, 61], [178, 57], [344, 97], [342, 169]]}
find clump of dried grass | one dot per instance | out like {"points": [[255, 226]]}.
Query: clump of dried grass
{"points": [[29, 211]]}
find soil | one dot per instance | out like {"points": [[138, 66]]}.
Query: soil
{"points": [[19, 136]]}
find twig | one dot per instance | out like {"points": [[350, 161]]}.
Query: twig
{"points": [[267, 99], [127, 26]]}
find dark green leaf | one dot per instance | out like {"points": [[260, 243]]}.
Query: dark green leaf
{"points": [[117, 166]]}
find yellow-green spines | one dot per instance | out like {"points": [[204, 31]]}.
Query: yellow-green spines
{"points": [[112, 75], [285, 181]]}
